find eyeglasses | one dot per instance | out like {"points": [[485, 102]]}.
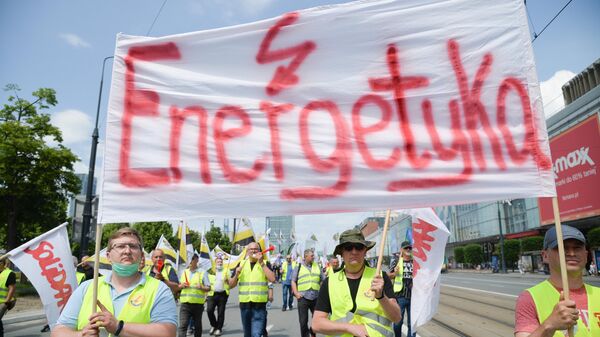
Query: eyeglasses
{"points": [[120, 247], [407, 248], [350, 246]]}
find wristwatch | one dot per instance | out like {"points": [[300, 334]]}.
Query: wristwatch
{"points": [[119, 328]]}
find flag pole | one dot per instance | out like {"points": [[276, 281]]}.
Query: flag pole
{"points": [[382, 241], [561, 253], [96, 267]]}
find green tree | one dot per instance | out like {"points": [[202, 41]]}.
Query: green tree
{"points": [[225, 243], [215, 237], [151, 232], [108, 230], [473, 254], [512, 251], [459, 254], [593, 237], [532, 243], [36, 170], [196, 239]]}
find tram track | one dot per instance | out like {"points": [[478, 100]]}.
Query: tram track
{"points": [[464, 313]]}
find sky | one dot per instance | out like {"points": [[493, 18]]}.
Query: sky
{"points": [[61, 45]]}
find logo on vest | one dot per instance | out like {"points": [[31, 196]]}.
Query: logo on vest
{"points": [[137, 300]]}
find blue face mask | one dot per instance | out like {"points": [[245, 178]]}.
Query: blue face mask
{"points": [[125, 270]]}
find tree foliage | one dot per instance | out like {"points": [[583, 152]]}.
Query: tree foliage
{"points": [[108, 230], [593, 237], [512, 250], [532, 243], [473, 254], [459, 254], [151, 232], [215, 237], [36, 170]]}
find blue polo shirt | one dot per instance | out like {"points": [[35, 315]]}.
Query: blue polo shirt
{"points": [[163, 310]]}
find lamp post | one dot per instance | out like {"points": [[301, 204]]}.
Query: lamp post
{"points": [[502, 260], [87, 208]]}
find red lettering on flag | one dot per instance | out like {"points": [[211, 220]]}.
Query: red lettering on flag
{"points": [[53, 271], [422, 243]]}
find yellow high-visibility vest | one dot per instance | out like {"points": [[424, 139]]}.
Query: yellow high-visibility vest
{"points": [[213, 278], [398, 284], [285, 269], [368, 310], [164, 272], [309, 278], [137, 308], [192, 294], [3, 287], [253, 284], [80, 277], [545, 297]]}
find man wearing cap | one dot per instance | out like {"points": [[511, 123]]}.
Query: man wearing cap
{"points": [[402, 275], [355, 301], [542, 310]]}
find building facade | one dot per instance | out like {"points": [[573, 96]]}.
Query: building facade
{"points": [[282, 231]]}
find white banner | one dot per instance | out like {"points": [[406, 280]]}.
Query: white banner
{"points": [[430, 236], [48, 264], [359, 106]]}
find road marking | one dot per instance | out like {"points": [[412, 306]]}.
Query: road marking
{"points": [[269, 327], [479, 290], [533, 282]]}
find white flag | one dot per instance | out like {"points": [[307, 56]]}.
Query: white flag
{"points": [[430, 236], [48, 263]]}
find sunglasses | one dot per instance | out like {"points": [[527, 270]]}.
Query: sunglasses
{"points": [[350, 246]]}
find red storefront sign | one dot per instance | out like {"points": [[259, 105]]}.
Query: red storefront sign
{"points": [[575, 154]]}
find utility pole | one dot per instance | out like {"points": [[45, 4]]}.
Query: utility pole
{"points": [[502, 260]]}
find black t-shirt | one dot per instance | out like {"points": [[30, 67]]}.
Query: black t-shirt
{"points": [[324, 303], [407, 273], [11, 279]]}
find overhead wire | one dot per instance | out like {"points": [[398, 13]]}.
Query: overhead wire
{"points": [[536, 35], [156, 17]]}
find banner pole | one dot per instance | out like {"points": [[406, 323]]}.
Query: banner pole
{"points": [[561, 253], [382, 241], [96, 267]]}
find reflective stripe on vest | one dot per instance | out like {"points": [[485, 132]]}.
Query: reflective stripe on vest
{"points": [[309, 278], [545, 297], [398, 284], [3, 287], [213, 278], [192, 294], [253, 284], [137, 308], [368, 310]]}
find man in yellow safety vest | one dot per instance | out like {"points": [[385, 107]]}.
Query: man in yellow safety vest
{"points": [[253, 276], [129, 302], [306, 283], [334, 264], [356, 301], [217, 297], [286, 283], [402, 274], [542, 310], [194, 286], [8, 280], [163, 271]]}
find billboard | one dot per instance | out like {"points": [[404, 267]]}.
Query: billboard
{"points": [[574, 154]]}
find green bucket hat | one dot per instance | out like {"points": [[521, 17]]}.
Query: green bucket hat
{"points": [[352, 236]]}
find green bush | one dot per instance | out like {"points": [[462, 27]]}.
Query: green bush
{"points": [[459, 254], [473, 254], [512, 251], [532, 243], [593, 237]]}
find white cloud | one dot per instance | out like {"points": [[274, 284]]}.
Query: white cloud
{"points": [[552, 91], [75, 40], [75, 125]]}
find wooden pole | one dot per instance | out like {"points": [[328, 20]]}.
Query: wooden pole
{"points": [[382, 241], [96, 267], [561, 253]]}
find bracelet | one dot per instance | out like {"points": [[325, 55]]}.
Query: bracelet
{"points": [[378, 298], [119, 328]]}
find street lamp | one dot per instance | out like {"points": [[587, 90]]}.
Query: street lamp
{"points": [[87, 208], [503, 261]]}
